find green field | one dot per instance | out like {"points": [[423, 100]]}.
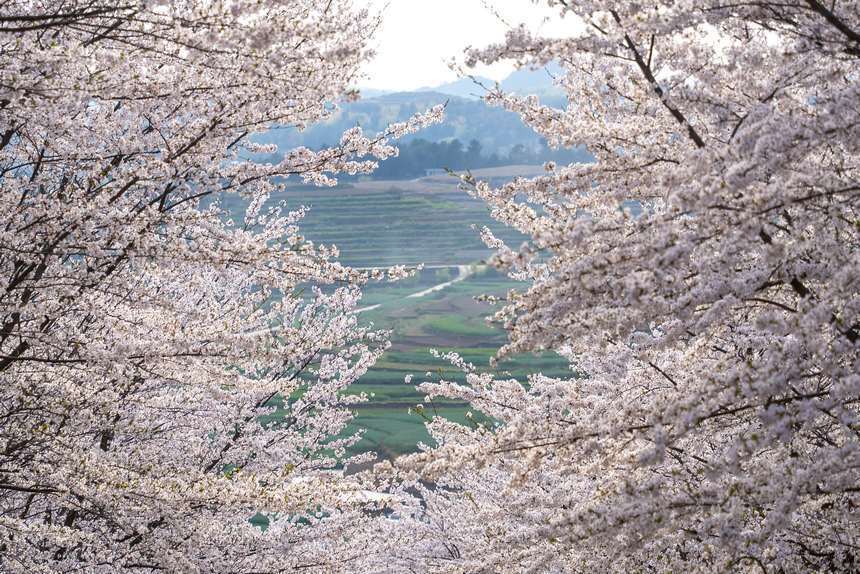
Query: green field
{"points": [[378, 224], [429, 221], [449, 319]]}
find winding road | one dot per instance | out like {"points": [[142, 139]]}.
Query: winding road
{"points": [[463, 272]]}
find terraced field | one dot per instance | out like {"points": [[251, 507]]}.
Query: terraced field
{"points": [[384, 223], [449, 319], [421, 221]]}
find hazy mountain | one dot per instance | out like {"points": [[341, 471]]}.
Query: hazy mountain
{"points": [[367, 93], [496, 129], [525, 81], [537, 81], [467, 117], [463, 88]]}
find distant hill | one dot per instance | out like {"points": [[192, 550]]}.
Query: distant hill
{"points": [[367, 93], [538, 81], [497, 130], [467, 117], [462, 88]]}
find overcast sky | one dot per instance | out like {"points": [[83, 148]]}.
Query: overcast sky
{"points": [[418, 37]]}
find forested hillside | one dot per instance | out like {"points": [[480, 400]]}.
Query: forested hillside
{"points": [[496, 130]]}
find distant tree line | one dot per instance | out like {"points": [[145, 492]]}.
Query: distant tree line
{"points": [[465, 119], [419, 155]]}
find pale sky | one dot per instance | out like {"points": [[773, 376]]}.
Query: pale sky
{"points": [[418, 37]]}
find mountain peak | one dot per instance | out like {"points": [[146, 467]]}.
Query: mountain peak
{"points": [[539, 80], [464, 87]]}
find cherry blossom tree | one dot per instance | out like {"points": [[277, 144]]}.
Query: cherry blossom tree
{"points": [[703, 278], [150, 329]]}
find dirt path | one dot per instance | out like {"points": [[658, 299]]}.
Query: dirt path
{"points": [[370, 308], [463, 271]]}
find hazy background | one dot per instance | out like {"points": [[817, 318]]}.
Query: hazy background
{"points": [[418, 38]]}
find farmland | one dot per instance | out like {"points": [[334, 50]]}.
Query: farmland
{"points": [[426, 221]]}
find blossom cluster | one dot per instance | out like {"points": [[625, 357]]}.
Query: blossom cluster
{"points": [[171, 368], [701, 276]]}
